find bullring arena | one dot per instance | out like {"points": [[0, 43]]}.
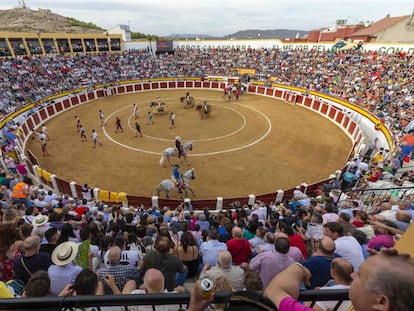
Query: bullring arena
{"points": [[304, 127], [253, 145], [269, 141], [256, 145]]}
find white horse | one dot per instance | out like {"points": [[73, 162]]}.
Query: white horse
{"points": [[167, 185], [173, 152]]}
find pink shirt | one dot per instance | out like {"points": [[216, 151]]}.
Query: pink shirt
{"points": [[329, 217], [21, 168], [290, 304], [295, 254], [381, 240], [269, 264], [197, 235]]}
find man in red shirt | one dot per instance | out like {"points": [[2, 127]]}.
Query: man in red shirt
{"points": [[239, 247], [82, 208]]}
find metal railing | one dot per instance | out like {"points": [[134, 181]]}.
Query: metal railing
{"points": [[67, 303], [369, 196]]}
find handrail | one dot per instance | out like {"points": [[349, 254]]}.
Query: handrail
{"points": [[147, 299]]}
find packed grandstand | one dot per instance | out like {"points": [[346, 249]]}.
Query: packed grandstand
{"points": [[377, 82], [238, 247]]}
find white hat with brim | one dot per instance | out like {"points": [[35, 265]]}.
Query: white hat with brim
{"points": [[64, 253], [40, 220]]}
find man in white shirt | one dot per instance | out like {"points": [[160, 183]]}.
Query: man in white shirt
{"points": [[345, 246], [51, 197], [153, 283], [130, 257], [341, 271], [260, 211], [41, 203], [224, 267]]}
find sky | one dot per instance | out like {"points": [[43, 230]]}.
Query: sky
{"points": [[218, 17]]}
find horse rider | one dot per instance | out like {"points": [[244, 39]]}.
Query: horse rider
{"points": [[178, 177], [160, 104], [187, 96], [179, 146], [204, 104]]}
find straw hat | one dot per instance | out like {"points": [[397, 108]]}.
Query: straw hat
{"points": [[40, 220], [64, 253]]}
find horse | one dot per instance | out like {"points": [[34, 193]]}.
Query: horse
{"points": [[158, 107], [204, 110], [188, 102], [173, 152], [167, 185]]}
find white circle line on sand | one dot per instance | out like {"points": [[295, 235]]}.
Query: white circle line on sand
{"points": [[204, 139], [200, 154], [193, 140], [244, 146]]}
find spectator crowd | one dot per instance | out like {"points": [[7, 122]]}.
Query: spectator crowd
{"points": [[380, 83], [54, 245]]}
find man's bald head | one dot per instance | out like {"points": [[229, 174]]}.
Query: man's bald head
{"points": [[385, 206], [404, 205], [114, 255], [31, 242], [154, 281], [281, 235], [237, 232], [326, 246], [341, 271], [384, 282], [224, 259], [404, 216]]}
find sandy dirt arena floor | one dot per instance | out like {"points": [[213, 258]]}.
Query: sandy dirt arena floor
{"points": [[255, 145]]}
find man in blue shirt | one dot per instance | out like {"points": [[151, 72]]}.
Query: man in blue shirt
{"points": [[209, 250], [177, 177], [320, 262]]}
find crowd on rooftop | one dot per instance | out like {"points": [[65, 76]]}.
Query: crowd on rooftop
{"points": [[55, 245]]}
